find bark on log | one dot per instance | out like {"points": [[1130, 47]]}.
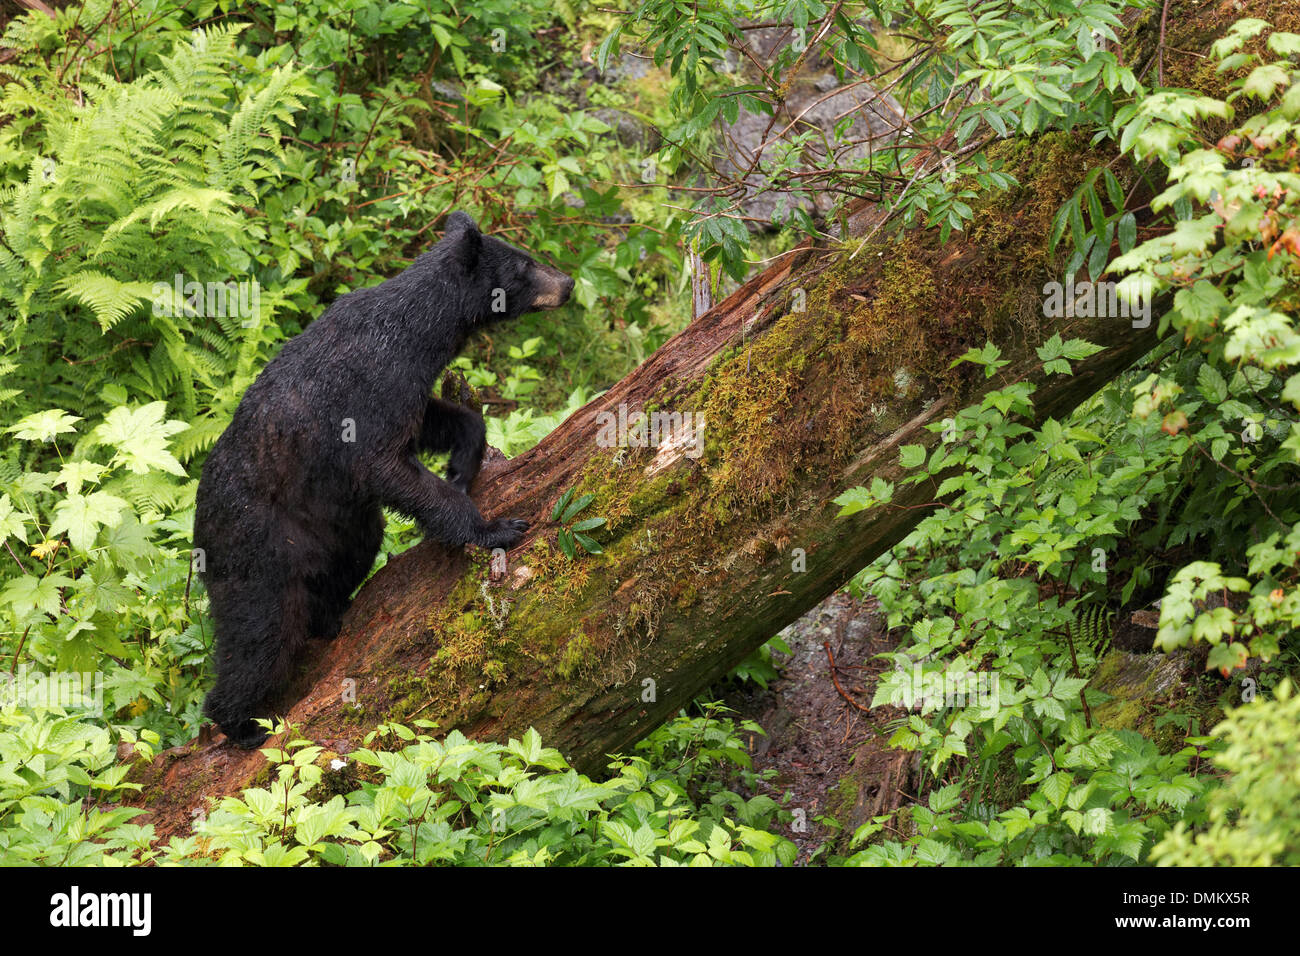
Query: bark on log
{"points": [[809, 378]]}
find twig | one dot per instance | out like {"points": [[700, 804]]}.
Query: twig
{"points": [[1160, 48], [836, 681]]}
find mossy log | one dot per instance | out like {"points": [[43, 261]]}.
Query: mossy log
{"points": [[809, 379]]}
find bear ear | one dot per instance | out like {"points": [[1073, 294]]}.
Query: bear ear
{"points": [[463, 236]]}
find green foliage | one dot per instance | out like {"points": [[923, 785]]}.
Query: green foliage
{"points": [[1004, 630], [1230, 262], [758, 666], [50, 765], [170, 154], [1254, 818], [109, 561], [305, 150], [965, 73], [522, 427], [428, 802], [570, 537], [1045, 530]]}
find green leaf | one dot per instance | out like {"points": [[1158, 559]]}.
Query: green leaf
{"points": [[911, 456], [1056, 787], [1226, 657], [12, 521], [1264, 81], [30, 593], [530, 748], [1079, 349], [1127, 232], [559, 184], [590, 545], [1077, 230], [139, 438], [43, 426], [559, 505], [74, 473], [565, 540], [1211, 384], [1100, 254], [1284, 44], [81, 516], [1059, 223], [859, 499], [1113, 190], [577, 506], [1096, 214]]}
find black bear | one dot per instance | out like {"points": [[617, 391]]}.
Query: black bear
{"points": [[288, 515]]}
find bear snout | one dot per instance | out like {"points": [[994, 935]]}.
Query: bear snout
{"points": [[552, 286]]}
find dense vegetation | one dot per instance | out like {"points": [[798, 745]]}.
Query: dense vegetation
{"points": [[286, 153]]}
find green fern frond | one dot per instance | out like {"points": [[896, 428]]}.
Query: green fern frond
{"points": [[254, 127], [110, 299], [1094, 627], [199, 437], [199, 200]]}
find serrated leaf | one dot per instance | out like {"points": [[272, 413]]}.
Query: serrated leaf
{"points": [[74, 473], [43, 426], [911, 456], [30, 593], [138, 437], [12, 521], [81, 516]]}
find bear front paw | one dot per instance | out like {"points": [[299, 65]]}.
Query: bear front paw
{"points": [[246, 735], [503, 533]]}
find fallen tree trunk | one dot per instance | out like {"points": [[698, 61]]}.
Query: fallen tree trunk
{"points": [[808, 379]]}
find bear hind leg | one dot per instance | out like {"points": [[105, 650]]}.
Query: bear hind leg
{"points": [[257, 644]]}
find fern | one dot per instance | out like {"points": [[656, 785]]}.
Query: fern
{"points": [[1093, 627], [110, 299], [247, 154], [126, 186]]}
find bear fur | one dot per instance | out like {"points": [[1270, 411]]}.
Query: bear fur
{"points": [[288, 512]]}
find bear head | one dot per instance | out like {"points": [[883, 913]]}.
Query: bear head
{"points": [[513, 280]]}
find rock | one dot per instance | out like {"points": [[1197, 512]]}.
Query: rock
{"points": [[629, 130], [628, 66], [447, 92], [1136, 684], [816, 102]]}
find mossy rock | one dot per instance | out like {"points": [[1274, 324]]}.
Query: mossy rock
{"points": [[1140, 687]]}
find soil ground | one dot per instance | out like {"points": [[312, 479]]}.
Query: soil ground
{"points": [[830, 755]]}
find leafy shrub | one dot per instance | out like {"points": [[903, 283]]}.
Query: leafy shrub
{"points": [[50, 765], [428, 802], [1254, 818]]}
